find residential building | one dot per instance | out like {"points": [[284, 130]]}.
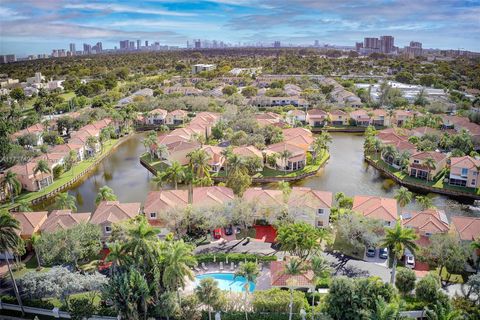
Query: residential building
{"points": [[216, 158], [249, 152], [159, 203], [400, 117], [176, 117], [156, 117], [464, 171], [36, 130], [184, 91], [30, 222], [264, 101], [29, 180], [110, 212], [305, 204], [316, 118], [380, 118], [178, 151], [387, 44], [295, 160], [63, 220], [427, 222], [360, 118], [268, 118], [202, 67], [296, 115], [426, 164], [338, 117], [466, 228], [374, 207]]}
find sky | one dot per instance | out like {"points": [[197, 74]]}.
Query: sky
{"points": [[38, 26]]}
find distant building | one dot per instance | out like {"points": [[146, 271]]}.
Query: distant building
{"points": [[371, 43], [413, 50], [317, 43], [202, 67], [124, 45], [72, 49], [87, 49], [358, 46], [198, 44], [97, 47], [138, 44], [386, 44], [276, 44], [131, 45], [146, 43]]}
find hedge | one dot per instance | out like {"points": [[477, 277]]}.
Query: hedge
{"points": [[233, 257], [254, 315], [34, 303]]}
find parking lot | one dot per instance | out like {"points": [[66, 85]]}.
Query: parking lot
{"points": [[377, 260]]}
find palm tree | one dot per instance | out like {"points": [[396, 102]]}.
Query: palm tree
{"points": [[208, 293], [92, 144], [105, 193], [179, 260], [116, 256], [227, 153], [71, 159], [34, 241], [162, 151], [285, 155], [24, 206], [9, 241], [13, 184], [321, 269], [199, 162], [235, 164], [389, 153], [142, 242], [397, 239], [325, 139], [175, 174], [404, 160], [293, 267], [159, 179], [105, 135], [65, 201], [431, 165], [403, 196], [42, 167], [249, 271], [384, 311], [425, 202]]}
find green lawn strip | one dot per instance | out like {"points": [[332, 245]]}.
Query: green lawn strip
{"points": [[157, 164], [58, 303], [64, 178], [67, 96], [454, 278]]}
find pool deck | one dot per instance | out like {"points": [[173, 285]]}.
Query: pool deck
{"points": [[254, 246]]}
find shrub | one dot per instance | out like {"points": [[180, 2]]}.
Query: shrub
{"points": [[276, 300], [428, 288], [405, 280]]}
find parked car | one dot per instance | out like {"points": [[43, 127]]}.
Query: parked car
{"points": [[229, 230], [410, 261], [371, 252], [217, 233], [383, 253]]}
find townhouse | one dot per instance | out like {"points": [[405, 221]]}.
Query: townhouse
{"points": [[184, 91], [216, 158], [155, 117], [380, 118], [338, 117], [464, 172], [288, 157], [305, 204], [379, 208], [400, 117], [264, 101], [111, 212], [269, 118], [176, 117], [427, 222], [35, 130], [63, 220], [296, 115], [360, 118], [316, 118], [30, 180], [30, 222], [426, 164], [159, 203]]}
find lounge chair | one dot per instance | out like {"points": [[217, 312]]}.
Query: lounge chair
{"points": [[196, 269], [221, 266], [204, 267]]}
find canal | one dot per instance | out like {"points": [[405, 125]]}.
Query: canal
{"points": [[345, 172]]}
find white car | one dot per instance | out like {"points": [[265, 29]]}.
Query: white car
{"points": [[410, 261]]}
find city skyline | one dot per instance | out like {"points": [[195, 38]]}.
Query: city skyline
{"points": [[34, 27]]}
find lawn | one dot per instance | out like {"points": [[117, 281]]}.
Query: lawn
{"points": [[454, 278], [64, 178], [67, 96], [157, 164]]}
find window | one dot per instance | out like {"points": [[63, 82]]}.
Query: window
{"points": [[321, 211], [416, 161], [428, 234], [464, 172], [475, 173], [473, 182], [319, 223], [153, 215], [108, 229]]}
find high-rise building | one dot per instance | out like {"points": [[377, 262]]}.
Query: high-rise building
{"points": [[276, 44], [415, 44], [198, 44], [72, 49], [317, 43], [358, 46], [131, 45], [99, 47], [124, 44], [386, 44], [87, 49], [146, 43], [371, 43], [10, 58], [138, 44], [413, 50]]}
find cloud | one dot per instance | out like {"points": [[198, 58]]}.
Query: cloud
{"points": [[7, 14], [105, 7]]}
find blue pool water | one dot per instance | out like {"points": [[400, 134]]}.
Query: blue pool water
{"points": [[226, 281]]}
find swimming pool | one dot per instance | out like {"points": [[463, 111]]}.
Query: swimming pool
{"points": [[226, 281]]}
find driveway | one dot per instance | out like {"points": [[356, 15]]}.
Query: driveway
{"points": [[350, 267]]}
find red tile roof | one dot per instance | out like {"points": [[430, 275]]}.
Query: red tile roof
{"points": [[280, 279], [468, 228]]}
